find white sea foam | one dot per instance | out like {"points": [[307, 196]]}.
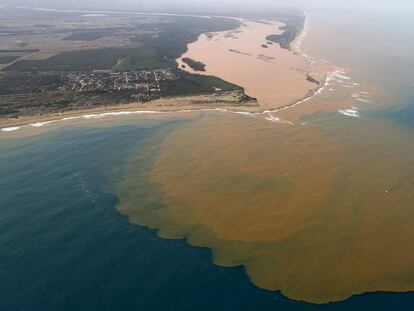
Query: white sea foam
{"points": [[298, 42], [268, 113], [10, 129], [328, 78], [352, 112], [346, 81], [363, 100], [341, 75], [85, 116], [39, 124], [360, 97], [69, 118], [274, 119], [244, 113], [360, 94], [122, 113], [297, 45]]}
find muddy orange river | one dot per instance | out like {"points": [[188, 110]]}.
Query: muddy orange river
{"points": [[274, 76]]}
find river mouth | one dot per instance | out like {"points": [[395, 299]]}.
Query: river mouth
{"points": [[276, 77]]}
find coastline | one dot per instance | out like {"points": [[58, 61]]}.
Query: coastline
{"points": [[184, 104], [223, 101], [159, 106], [275, 76]]}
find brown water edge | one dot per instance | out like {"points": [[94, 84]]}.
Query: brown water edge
{"points": [[274, 76], [317, 217]]}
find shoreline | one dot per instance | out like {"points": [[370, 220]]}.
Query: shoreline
{"points": [[160, 106], [186, 104], [319, 78], [180, 104]]}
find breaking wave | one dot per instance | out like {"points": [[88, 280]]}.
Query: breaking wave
{"points": [[351, 112]]}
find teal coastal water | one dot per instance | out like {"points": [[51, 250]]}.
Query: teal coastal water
{"points": [[64, 246]]}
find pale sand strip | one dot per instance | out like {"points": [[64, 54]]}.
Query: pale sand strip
{"points": [[224, 101], [276, 84]]}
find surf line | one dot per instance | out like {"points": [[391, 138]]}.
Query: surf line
{"points": [[296, 49], [328, 78]]}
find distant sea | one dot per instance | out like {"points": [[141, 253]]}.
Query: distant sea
{"points": [[65, 246]]}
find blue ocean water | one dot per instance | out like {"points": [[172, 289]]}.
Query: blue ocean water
{"points": [[64, 246]]}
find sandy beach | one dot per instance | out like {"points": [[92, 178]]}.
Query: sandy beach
{"points": [[273, 77], [224, 100]]}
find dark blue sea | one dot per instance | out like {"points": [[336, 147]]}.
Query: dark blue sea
{"points": [[64, 246]]}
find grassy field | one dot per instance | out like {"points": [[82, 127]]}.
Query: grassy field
{"points": [[118, 44], [88, 35], [88, 60], [195, 84], [195, 65], [158, 47]]}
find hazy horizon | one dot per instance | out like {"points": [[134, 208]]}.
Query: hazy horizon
{"points": [[228, 5]]}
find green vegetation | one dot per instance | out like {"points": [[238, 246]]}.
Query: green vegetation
{"points": [[97, 59], [312, 79], [172, 38], [142, 58], [23, 83], [195, 84], [293, 27], [36, 86], [88, 35], [195, 65], [147, 51]]}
